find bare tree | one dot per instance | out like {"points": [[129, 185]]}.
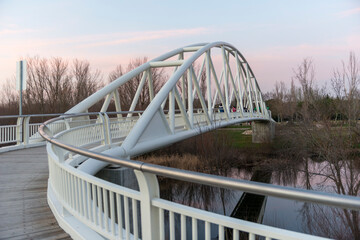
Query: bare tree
{"points": [[9, 101], [305, 75], [345, 85], [128, 90], [279, 97], [38, 75], [59, 86], [85, 81], [115, 74]]}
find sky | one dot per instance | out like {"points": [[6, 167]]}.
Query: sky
{"points": [[273, 35]]}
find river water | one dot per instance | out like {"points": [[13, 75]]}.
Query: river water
{"points": [[286, 214]]}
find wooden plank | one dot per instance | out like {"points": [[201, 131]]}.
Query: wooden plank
{"points": [[24, 212]]}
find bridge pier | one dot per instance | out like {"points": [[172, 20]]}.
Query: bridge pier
{"points": [[262, 132]]}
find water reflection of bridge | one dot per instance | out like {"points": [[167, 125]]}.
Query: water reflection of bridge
{"points": [[251, 206]]}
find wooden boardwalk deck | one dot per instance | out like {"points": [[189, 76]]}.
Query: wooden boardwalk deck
{"points": [[24, 213]]}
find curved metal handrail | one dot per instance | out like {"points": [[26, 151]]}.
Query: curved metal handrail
{"points": [[331, 199]]}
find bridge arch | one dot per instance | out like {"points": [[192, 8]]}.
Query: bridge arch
{"points": [[158, 126]]}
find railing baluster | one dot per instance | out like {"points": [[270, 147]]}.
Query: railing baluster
{"points": [[63, 183], [119, 215], [84, 197], [183, 227], [66, 187], [100, 207], [172, 225], [127, 220], [194, 228], [235, 234], [221, 232], [79, 196], [74, 183], [251, 236], [135, 220], [73, 200], [69, 198], [207, 230], [112, 212], [94, 204], [162, 224], [106, 209], [88, 193]]}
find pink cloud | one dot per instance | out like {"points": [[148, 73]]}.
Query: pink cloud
{"points": [[8, 31], [95, 40], [148, 35], [349, 12]]}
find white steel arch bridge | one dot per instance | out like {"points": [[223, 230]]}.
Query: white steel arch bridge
{"points": [[159, 126], [81, 143]]}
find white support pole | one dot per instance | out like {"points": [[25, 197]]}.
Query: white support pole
{"points": [[217, 91], [172, 110], [208, 76], [183, 91], [191, 49], [137, 94], [245, 96], [182, 109], [190, 99], [202, 100], [182, 80], [151, 85], [198, 77], [117, 103], [163, 103], [107, 102], [234, 89], [21, 75], [263, 105], [238, 74], [248, 89], [226, 83], [260, 102], [159, 64], [218, 86], [256, 95]]}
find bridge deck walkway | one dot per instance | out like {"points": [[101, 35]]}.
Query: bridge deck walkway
{"points": [[24, 213]]}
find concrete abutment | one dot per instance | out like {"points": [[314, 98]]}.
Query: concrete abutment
{"points": [[263, 132]]}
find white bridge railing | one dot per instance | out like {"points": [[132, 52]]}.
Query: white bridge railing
{"points": [[90, 208], [21, 133]]}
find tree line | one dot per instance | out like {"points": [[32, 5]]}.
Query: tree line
{"points": [[55, 84], [307, 101]]}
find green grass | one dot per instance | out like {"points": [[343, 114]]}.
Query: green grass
{"points": [[239, 140], [239, 126]]}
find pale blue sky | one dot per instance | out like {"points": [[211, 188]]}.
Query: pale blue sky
{"points": [[273, 35]]}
